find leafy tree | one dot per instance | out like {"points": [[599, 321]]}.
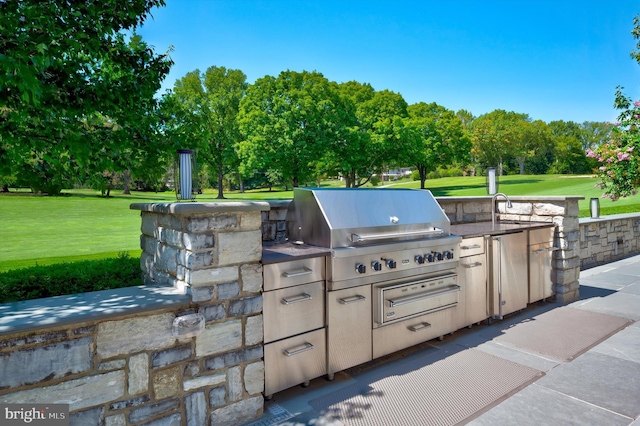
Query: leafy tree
{"points": [[66, 68], [288, 123], [437, 138], [498, 135], [204, 116]]}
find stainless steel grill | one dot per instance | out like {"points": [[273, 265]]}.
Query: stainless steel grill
{"points": [[391, 277]]}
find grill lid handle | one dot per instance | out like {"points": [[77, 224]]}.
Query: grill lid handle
{"points": [[357, 237]]}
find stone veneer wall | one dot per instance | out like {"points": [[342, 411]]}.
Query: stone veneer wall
{"points": [[185, 349], [608, 238], [561, 211]]}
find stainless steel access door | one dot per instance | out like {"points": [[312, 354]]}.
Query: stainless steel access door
{"points": [[540, 263], [509, 276]]}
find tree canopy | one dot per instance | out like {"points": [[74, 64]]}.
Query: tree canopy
{"points": [[76, 93]]}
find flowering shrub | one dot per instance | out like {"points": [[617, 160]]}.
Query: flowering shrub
{"points": [[619, 171]]}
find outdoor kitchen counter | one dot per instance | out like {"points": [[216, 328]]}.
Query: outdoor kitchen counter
{"points": [[283, 252], [477, 229]]}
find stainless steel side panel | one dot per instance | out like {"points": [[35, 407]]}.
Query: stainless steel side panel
{"points": [[403, 334], [293, 310], [540, 272], [295, 360], [348, 327], [472, 277], [287, 274], [509, 276]]}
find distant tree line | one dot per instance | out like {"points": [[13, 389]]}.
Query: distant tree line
{"points": [[78, 107]]}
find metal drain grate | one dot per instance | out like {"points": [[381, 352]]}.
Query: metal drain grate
{"points": [[273, 415], [563, 333], [446, 392]]}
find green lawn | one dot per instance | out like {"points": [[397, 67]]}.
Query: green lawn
{"points": [[82, 225]]}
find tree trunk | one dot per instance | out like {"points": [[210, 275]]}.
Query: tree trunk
{"points": [[240, 182], [5, 188], [220, 183], [126, 177], [520, 161]]}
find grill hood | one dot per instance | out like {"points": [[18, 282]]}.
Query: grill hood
{"points": [[355, 217]]}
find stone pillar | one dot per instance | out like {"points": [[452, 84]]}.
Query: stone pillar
{"points": [[212, 252]]}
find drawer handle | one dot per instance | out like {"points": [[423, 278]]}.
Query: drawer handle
{"points": [[472, 265], [303, 297], [419, 327], [475, 246], [352, 299], [303, 271], [307, 347]]}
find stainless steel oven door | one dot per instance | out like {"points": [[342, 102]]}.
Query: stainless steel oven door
{"points": [[398, 301]]}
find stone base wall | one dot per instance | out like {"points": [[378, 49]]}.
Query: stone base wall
{"points": [[609, 238], [136, 370]]}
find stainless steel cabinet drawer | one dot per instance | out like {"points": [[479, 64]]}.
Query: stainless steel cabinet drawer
{"points": [[403, 334], [287, 274], [471, 246], [293, 310], [295, 360], [349, 327]]}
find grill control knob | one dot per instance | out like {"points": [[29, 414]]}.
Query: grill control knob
{"points": [[377, 266], [391, 264], [429, 257], [360, 268], [448, 255], [419, 259], [438, 256]]}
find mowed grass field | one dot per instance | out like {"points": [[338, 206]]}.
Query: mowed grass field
{"points": [[82, 225]]}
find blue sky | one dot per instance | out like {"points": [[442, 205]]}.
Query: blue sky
{"points": [[553, 60]]}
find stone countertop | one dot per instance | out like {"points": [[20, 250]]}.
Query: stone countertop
{"points": [[283, 252], [477, 229]]}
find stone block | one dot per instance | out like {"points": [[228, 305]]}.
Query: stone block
{"points": [[191, 369], [171, 237], [89, 329], [473, 207], [138, 373], [268, 231], [93, 416], [149, 224], [85, 392], [196, 223], [254, 378], [128, 403], [245, 306], [116, 364], [115, 420], [525, 209], [174, 419], [228, 290], [198, 241], [217, 397], [253, 331], [250, 221], [276, 214], [251, 277], [201, 294], [46, 337], [168, 260], [40, 364], [238, 413], [151, 332], [219, 337], [211, 276], [166, 383], [234, 384], [239, 247], [213, 312], [234, 358], [549, 209], [204, 381], [195, 260], [196, 409], [153, 409], [171, 356]]}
